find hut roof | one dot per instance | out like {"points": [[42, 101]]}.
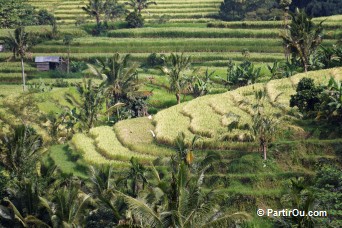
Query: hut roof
{"points": [[44, 59]]}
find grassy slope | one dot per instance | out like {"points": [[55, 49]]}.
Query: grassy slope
{"points": [[208, 116]]}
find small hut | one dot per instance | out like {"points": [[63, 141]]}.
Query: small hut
{"points": [[45, 63], [2, 47]]}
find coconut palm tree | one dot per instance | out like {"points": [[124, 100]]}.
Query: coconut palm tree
{"points": [[285, 6], [180, 202], [10, 219], [110, 8], [20, 151], [174, 66], [139, 5], [302, 37], [136, 177], [121, 77], [92, 97], [103, 186], [19, 43], [263, 129], [67, 206], [95, 8]]}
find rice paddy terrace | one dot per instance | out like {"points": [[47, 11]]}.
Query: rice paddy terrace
{"points": [[189, 29], [240, 169]]}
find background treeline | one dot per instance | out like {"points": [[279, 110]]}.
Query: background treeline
{"points": [[231, 10], [318, 8], [15, 13]]}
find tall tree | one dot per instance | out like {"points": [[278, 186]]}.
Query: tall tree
{"points": [[109, 8], [174, 66], [102, 188], [231, 10], [136, 174], [95, 8], [19, 42], [121, 78], [139, 5], [181, 202], [302, 37], [264, 128], [92, 99], [285, 6]]}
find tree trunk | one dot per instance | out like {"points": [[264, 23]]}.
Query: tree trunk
{"points": [[97, 19], [264, 149], [178, 97], [305, 64], [68, 61], [23, 73]]}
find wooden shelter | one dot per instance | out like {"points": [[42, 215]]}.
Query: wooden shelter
{"points": [[45, 63]]}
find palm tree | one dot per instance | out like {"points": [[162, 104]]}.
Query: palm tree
{"points": [[135, 176], [26, 221], [94, 9], [103, 186], [67, 207], [20, 151], [263, 129], [121, 78], [139, 5], [285, 5], [180, 202], [92, 100], [19, 43], [302, 37], [174, 65]]}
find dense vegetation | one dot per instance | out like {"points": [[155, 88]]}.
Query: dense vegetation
{"points": [[162, 115]]}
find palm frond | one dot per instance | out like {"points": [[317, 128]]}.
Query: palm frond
{"points": [[142, 210], [228, 220]]}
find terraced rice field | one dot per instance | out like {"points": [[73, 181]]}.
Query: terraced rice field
{"points": [[209, 116], [67, 11], [206, 116]]}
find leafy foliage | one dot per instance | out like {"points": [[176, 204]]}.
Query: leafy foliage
{"points": [[174, 66], [134, 20], [307, 96], [45, 18], [302, 37], [92, 101], [318, 8], [14, 13], [20, 150], [111, 9], [242, 74], [139, 5], [328, 186]]}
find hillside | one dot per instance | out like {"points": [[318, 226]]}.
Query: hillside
{"points": [[168, 135], [241, 172], [207, 116], [67, 11]]}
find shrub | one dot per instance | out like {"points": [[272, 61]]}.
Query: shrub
{"points": [[243, 74], [134, 20], [154, 60], [77, 66], [307, 96], [44, 17]]}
